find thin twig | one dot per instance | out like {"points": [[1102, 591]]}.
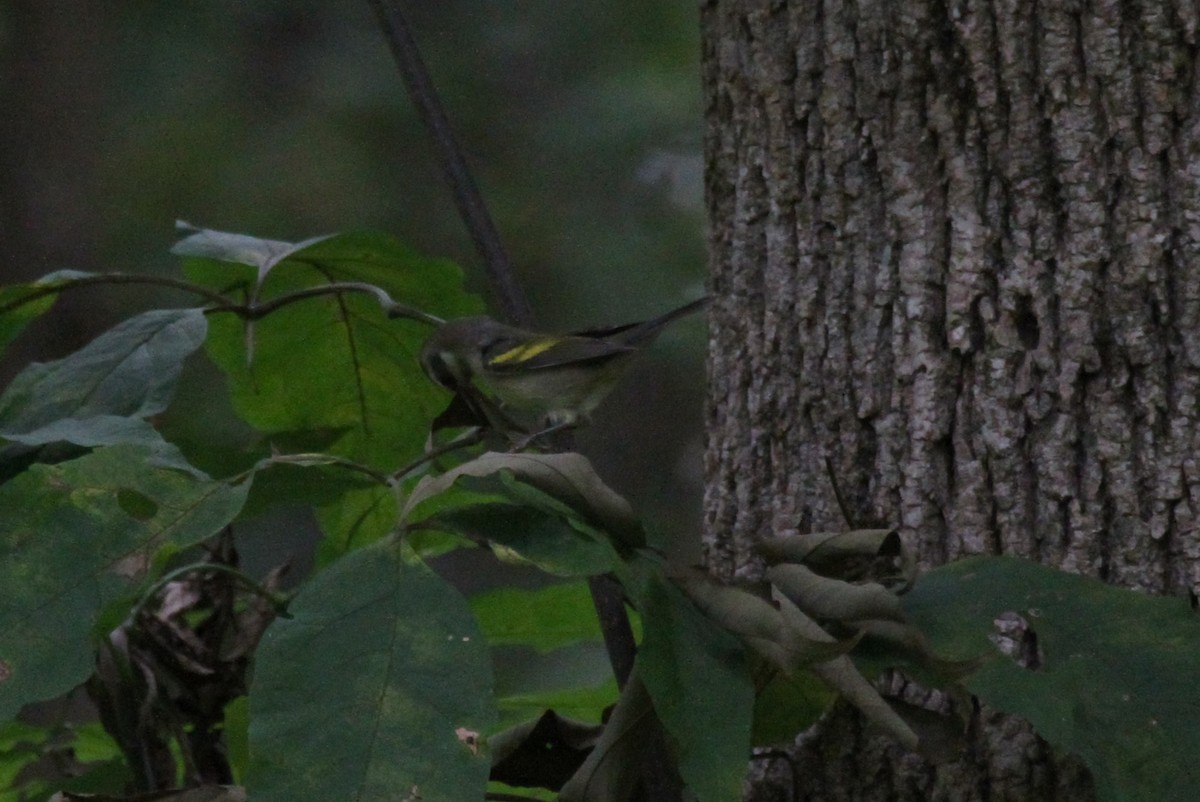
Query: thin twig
{"points": [[317, 458], [393, 309], [115, 278], [606, 595], [609, 600], [837, 493], [501, 278], [222, 303], [467, 440]]}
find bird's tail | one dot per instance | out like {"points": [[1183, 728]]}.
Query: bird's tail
{"points": [[637, 334]]}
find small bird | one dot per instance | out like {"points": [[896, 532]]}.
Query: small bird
{"points": [[534, 383]]}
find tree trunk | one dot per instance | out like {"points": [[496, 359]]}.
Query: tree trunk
{"points": [[952, 250]]}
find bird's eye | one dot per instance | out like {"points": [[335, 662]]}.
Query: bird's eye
{"points": [[444, 369]]}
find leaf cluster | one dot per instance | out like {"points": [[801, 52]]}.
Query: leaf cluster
{"points": [[379, 679]]}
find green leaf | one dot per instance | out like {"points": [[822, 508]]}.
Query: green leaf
{"points": [[20, 745], [322, 364], [357, 518], [699, 678], [787, 706], [889, 644], [587, 703], [546, 618], [1117, 678], [237, 736], [129, 371], [107, 430], [613, 769], [548, 651], [98, 430], [518, 792], [243, 249], [335, 362], [15, 733], [69, 546], [543, 752], [457, 495], [20, 304], [93, 744], [430, 284], [17, 317], [575, 680], [314, 485], [367, 691], [89, 760], [530, 535]]}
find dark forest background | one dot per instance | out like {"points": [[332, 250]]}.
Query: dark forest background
{"points": [[287, 119]]}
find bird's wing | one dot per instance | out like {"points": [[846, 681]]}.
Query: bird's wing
{"points": [[541, 353]]}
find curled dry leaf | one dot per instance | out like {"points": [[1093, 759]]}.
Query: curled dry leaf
{"points": [[835, 600], [859, 554], [780, 638], [568, 478], [843, 676]]}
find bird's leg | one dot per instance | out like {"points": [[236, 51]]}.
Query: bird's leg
{"points": [[528, 440]]}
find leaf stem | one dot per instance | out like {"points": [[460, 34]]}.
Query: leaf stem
{"points": [[618, 635], [222, 303], [465, 440], [317, 458], [116, 278], [254, 311]]}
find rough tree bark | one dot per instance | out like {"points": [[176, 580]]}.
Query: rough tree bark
{"points": [[952, 249]]}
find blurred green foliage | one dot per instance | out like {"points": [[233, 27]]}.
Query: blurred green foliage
{"points": [[288, 119]]}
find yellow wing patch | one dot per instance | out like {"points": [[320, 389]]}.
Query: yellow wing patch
{"points": [[527, 350]]}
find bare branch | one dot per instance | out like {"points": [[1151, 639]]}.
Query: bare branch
{"points": [[115, 278], [511, 299]]}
